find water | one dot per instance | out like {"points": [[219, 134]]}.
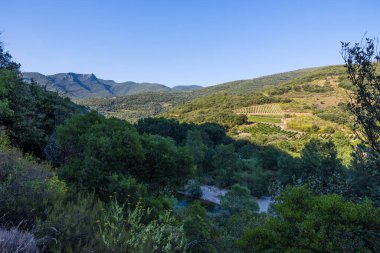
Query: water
{"points": [[264, 203]]}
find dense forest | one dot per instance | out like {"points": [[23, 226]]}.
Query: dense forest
{"points": [[75, 180]]}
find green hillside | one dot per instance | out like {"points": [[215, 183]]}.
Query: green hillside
{"points": [[133, 107], [291, 107]]}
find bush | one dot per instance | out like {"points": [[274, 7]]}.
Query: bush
{"points": [[72, 226], [194, 189], [238, 199], [129, 231], [15, 241], [27, 188], [305, 222]]}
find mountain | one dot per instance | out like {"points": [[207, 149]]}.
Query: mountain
{"points": [[82, 86], [198, 105]]}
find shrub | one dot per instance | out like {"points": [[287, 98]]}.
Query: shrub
{"points": [[15, 241], [131, 232], [27, 188], [194, 189], [72, 226]]}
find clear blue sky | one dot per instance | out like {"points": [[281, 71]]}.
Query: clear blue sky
{"points": [[182, 42]]}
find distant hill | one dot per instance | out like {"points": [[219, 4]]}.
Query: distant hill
{"points": [[198, 104], [82, 86], [186, 87]]}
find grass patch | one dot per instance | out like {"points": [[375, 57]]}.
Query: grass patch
{"points": [[264, 119], [312, 124]]}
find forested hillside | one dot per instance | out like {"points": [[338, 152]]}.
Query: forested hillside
{"points": [[74, 180]]}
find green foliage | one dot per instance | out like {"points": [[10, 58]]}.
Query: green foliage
{"points": [[308, 223], [338, 114], [231, 229], [263, 119], [365, 175], [72, 226], [131, 232], [218, 108], [164, 127], [238, 199], [225, 162], [212, 134], [7, 83], [97, 148], [361, 64], [311, 124], [27, 189], [138, 106], [198, 228], [197, 148], [193, 188], [321, 168], [32, 113], [268, 129], [126, 188], [165, 165], [102, 154], [262, 109], [303, 82]]}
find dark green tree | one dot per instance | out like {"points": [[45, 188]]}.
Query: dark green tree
{"points": [[198, 229], [28, 112], [165, 166], [362, 61], [321, 168], [95, 149], [6, 61], [305, 222], [238, 199]]}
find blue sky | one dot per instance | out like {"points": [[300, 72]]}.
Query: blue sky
{"points": [[182, 42]]}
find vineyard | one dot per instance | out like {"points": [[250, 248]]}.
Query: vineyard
{"points": [[261, 109], [276, 119], [269, 129]]}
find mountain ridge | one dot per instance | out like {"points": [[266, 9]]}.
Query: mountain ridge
{"points": [[83, 86]]}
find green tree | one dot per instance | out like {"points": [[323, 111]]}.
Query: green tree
{"points": [[165, 165], [27, 189], [6, 60], [28, 112], [96, 149], [305, 222], [196, 147], [7, 82], [364, 176], [238, 199], [362, 61], [321, 168], [124, 230], [198, 229], [225, 162], [71, 226]]}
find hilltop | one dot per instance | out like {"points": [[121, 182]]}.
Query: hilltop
{"points": [[81, 86]]}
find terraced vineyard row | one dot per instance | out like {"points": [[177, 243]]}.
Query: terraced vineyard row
{"points": [[268, 129], [261, 109]]}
